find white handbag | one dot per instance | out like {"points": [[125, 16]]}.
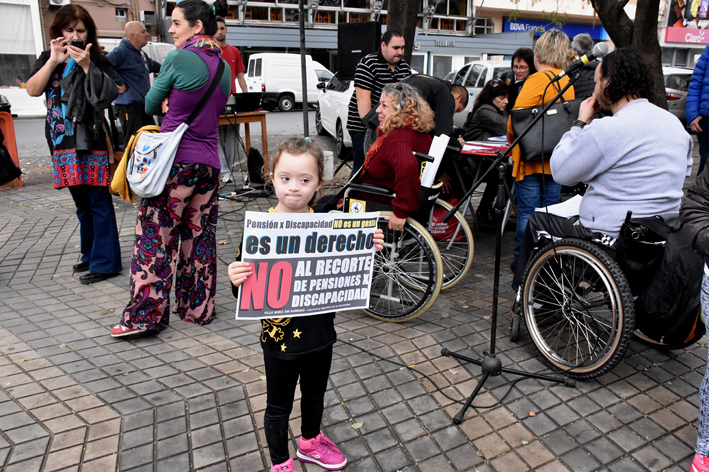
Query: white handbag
{"points": [[150, 163]]}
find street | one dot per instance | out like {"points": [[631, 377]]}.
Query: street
{"points": [[72, 398]]}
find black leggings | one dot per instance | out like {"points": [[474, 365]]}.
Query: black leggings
{"points": [[281, 379]]}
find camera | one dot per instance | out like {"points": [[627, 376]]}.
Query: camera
{"points": [[77, 43]]}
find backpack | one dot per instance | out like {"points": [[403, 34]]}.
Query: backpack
{"points": [[8, 170], [668, 310]]}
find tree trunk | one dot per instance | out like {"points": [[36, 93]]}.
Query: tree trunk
{"points": [[640, 35], [403, 15]]}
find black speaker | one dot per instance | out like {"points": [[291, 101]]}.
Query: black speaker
{"points": [[354, 41]]}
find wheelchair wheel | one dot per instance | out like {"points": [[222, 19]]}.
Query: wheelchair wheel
{"points": [[407, 273], [578, 308], [457, 256]]}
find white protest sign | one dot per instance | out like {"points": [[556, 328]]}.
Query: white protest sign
{"points": [[306, 263]]}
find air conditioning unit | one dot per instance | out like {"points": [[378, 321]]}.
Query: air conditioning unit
{"points": [[148, 18], [59, 3]]}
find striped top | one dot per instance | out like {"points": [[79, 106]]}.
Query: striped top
{"points": [[373, 73]]}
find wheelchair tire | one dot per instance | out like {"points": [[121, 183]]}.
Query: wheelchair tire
{"points": [[407, 273], [578, 308], [457, 256]]}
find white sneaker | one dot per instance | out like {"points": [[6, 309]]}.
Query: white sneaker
{"points": [[226, 177]]}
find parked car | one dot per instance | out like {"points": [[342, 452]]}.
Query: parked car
{"points": [[278, 77], [676, 85], [473, 76], [331, 117], [450, 76]]}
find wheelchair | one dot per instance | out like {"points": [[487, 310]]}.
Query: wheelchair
{"points": [[416, 263], [578, 301]]}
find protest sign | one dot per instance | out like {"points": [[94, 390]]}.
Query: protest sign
{"points": [[306, 263]]}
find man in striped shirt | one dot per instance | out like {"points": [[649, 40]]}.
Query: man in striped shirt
{"points": [[373, 72]]}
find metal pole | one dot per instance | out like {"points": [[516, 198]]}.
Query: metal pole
{"points": [[303, 70]]}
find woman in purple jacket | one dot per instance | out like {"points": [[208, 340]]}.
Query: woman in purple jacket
{"points": [[179, 226]]}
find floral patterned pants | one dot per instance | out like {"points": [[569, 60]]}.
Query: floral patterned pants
{"points": [[703, 434], [177, 226]]}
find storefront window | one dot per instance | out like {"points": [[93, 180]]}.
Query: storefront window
{"points": [[449, 7], [681, 57], [442, 65], [14, 69], [356, 3], [257, 13], [17, 53]]}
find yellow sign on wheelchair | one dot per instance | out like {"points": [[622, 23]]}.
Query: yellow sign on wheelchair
{"points": [[357, 206]]}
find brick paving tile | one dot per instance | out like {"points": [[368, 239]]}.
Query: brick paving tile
{"points": [[106, 428], [68, 439], [32, 465], [97, 415], [555, 466], [64, 458], [64, 423], [509, 461], [100, 465], [33, 401], [50, 411], [491, 445], [28, 450], [437, 463], [515, 434], [651, 458], [101, 448], [138, 456]]}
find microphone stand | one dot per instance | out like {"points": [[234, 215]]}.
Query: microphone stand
{"points": [[491, 364]]}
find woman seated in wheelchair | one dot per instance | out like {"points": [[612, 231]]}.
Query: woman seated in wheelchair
{"points": [[405, 120], [635, 160]]}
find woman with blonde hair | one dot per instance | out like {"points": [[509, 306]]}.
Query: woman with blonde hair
{"points": [[534, 185], [405, 120]]}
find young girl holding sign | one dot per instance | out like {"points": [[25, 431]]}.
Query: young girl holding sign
{"points": [[299, 346]]}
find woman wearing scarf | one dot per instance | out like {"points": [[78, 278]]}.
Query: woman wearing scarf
{"points": [[176, 230], [78, 87], [405, 121]]}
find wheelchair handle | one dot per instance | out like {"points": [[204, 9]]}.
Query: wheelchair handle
{"points": [[423, 157]]}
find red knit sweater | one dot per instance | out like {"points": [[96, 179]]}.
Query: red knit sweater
{"points": [[396, 167]]}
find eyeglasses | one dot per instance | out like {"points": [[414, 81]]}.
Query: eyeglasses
{"points": [[495, 83], [520, 68]]}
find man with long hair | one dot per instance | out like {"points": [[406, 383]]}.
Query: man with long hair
{"points": [[635, 160]]}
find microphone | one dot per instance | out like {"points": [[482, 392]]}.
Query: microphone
{"points": [[598, 51]]}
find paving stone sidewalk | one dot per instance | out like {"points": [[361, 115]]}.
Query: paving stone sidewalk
{"points": [[74, 399]]}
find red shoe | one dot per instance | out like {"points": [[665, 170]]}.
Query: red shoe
{"points": [[286, 466], [700, 464], [120, 331], [321, 451]]}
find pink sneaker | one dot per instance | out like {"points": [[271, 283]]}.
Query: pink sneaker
{"points": [[700, 464], [286, 466], [321, 451]]}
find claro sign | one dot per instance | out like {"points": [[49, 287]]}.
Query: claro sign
{"points": [[686, 36]]}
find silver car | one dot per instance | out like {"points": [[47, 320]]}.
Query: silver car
{"points": [[676, 86], [473, 76], [331, 117]]}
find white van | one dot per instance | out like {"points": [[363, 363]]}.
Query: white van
{"points": [[278, 77]]}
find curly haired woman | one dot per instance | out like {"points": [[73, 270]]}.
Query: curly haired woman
{"points": [[405, 120]]}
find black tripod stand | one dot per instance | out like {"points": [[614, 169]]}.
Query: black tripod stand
{"points": [[491, 364]]}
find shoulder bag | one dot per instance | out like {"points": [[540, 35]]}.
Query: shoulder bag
{"points": [[547, 131], [151, 161]]}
